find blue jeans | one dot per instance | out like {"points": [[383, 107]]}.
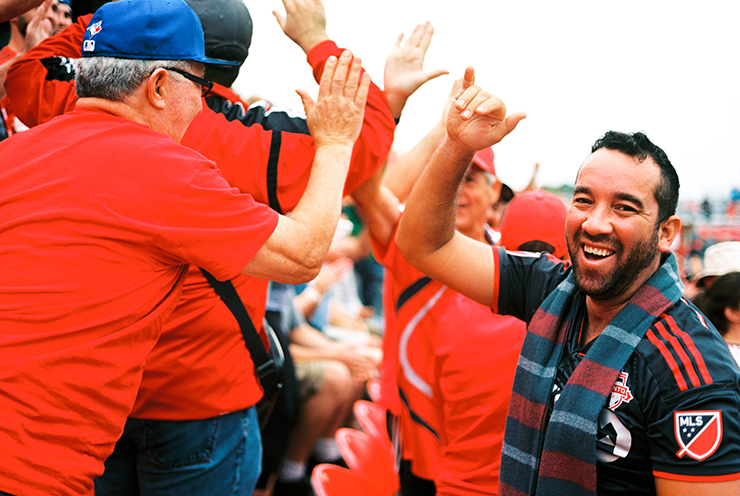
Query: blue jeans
{"points": [[220, 455]]}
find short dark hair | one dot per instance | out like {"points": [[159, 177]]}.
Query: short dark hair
{"points": [[724, 292], [638, 146]]}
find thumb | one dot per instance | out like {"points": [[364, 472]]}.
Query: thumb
{"points": [[512, 121], [308, 102], [435, 74], [280, 19]]}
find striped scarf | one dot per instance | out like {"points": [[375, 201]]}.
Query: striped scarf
{"points": [[565, 463]]}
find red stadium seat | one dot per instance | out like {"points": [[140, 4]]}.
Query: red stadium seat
{"points": [[333, 480], [372, 418], [374, 390], [370, 458]]}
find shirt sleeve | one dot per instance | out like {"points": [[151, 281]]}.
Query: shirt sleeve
{"points": [[525, 280], [214, 227], [376, 136]]}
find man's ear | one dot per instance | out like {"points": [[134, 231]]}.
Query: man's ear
{"points": [[158, 88], [496, 187], [669, 229], [732, 315]]}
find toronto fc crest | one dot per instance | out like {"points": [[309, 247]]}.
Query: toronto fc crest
{"points": [[620, 392], [698, 433]]}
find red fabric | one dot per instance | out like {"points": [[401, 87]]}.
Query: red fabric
{"points": [[36, 99], [456, 368], [6, 54], [200, 367], [97, 234]]}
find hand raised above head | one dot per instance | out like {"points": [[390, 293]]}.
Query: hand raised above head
{"points": [[404, 67], [336, 116], [304, 22], [40, 27], [478, 119]]}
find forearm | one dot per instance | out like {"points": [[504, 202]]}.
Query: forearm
{"points": [[308, 300], [428, 221], [307, 336], [406, 170], [666, 487], [13, 8]]}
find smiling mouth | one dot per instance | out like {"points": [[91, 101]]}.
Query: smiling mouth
{"points": [[592, 253]]}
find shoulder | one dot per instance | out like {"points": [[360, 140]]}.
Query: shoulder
{"points": [[683, 351]]}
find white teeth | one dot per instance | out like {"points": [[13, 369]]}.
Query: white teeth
{"points": [[597, 252]]}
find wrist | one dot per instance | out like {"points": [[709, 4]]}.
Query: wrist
{"points": [[312, 295], [311, 41], [396, 102]]}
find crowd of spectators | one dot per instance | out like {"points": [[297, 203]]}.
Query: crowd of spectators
{"points": [[510, 331]]}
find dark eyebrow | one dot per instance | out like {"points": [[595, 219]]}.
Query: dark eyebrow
{"points": [[622, 196], [632, 199]]}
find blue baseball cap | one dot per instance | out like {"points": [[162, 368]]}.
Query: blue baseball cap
{"points": [[148, 30]]}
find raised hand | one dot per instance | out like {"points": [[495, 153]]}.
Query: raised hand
{"points": [[40, 27], [336, 116], [478, 119], [304, 22], [404, 67]]}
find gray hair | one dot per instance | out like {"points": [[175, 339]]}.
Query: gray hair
{"points": [[115, 79]]}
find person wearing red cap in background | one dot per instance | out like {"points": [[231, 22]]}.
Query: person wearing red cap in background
{"points": [[534, 221], [455, 359]]}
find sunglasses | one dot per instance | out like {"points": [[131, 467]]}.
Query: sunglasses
{"points": [[205, 85]]}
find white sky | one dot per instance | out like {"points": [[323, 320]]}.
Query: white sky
{"points": [[578, 68]]}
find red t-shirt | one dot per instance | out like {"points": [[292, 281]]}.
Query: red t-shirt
{"points": [[200, 367], [99, 217], [456, 365]]}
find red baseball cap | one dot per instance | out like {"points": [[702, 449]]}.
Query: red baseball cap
{"points": [[535, 216], [484, 159]]}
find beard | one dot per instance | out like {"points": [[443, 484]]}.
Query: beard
{"points": [[628, 267]]}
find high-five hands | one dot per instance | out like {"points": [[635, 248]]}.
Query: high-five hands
{"points": [[404, 68], [304, 22], [335, 118]]}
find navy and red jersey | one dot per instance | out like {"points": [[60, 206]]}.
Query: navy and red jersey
{"points": [[673, 412]]}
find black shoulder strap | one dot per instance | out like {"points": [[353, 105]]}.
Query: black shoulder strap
{"points": [[272, 171], [409, 292], [263, 364]]}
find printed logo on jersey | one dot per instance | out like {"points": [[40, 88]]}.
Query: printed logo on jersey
{"points": [[614, 440], [698, 433], [621, 393]]}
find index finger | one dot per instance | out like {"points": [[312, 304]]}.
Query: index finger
{"points": [[468, 80], [339, 78], [326, 76]]}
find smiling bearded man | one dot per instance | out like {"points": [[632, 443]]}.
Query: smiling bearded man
{"points": [[622, 386]]}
